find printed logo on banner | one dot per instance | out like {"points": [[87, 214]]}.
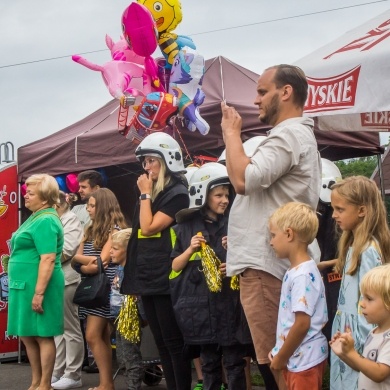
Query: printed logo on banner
{"points": [[368, 41], [378, 120], [332, 93], [3, 205]]}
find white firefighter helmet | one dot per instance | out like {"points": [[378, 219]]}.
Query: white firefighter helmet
{"points": [[204, 179], [207, 177], [330, 175], [191, 169], [162, 145], [250, 146]]}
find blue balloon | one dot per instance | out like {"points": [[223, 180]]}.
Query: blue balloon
{"points": [[104, 176], [61, 180]]}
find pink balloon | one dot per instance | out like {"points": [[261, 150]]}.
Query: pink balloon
{"points": [[139, 29], [23, 189], [72, 182]]}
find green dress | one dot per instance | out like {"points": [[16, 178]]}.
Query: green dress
{"points": [[40, 234]]}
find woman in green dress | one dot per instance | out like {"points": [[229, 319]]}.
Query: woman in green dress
{"points": [[36, 279]]}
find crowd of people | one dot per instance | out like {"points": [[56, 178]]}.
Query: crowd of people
{"points": [[252, 220]]}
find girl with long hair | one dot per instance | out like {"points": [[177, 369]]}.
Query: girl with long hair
{"points": [[360, 213], [106, 217]]}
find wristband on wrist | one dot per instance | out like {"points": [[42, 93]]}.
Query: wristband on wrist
{"points": [[145, 196]]}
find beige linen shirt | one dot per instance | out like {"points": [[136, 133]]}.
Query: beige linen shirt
{"points": [[286, 167]]}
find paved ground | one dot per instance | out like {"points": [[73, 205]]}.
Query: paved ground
{"points": [[14, 376]]}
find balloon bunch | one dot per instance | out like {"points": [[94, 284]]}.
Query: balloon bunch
{"points": [[158, 89], [68, 182]]}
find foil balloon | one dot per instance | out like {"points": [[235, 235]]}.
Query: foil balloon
{"points": [[61, 181], [72, 182], [139, 30], [185, 83], [151, 115], [104, 176], [121, 77], [121, 51], [167, 15], [23, 189]]}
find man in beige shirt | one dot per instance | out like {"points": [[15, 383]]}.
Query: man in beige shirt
{"points": [[285, 167]]}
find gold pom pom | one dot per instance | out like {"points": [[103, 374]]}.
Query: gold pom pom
{"points": [[128, 323], [235, 282], [210, 265]]}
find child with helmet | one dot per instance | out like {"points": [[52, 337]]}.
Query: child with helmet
{"points": [[163, 193], [213, 321]]}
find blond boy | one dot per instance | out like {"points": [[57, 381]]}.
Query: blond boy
{"points": [[301, 348]]}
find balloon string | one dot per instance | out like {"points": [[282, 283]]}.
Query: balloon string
{"points": [[222, 84], [175, 128]]}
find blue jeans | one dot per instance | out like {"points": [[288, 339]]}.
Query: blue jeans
{"points": [[169, 341]]}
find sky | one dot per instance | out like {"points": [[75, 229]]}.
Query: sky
{"points": [[43, 91]]}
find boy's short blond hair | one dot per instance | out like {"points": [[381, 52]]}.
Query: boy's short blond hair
{"points": [[299, 217], [121, 237], [377, 280]]}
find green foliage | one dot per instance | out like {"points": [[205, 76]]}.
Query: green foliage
{"points": [[364, 166]]}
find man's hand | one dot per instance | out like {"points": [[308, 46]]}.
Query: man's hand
{"points": [[231, 121]]}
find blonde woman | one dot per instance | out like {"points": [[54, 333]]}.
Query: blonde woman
{"points": [[36, 280], [163, 194]]}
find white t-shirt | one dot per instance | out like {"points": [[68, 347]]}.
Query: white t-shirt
{"points": [[377, 349], [303, 290], [82, 214]]}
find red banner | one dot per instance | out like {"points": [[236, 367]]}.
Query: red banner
{"points": [[8, 224], [332, 93]]}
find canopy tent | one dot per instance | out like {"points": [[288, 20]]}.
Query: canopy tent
{"points": [[95, 142], [349, 79]]}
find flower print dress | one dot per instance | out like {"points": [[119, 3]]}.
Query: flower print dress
{"points": [[349, 318]]}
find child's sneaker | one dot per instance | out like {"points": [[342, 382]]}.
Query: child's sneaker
{"points": [[199, 386]]}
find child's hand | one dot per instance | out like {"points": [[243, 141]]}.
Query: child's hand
{"points": [[343, 344], [277, 363], [222, 269], [336, 346], [347, 342], [224, 242], [196, 242], [335, 337]]}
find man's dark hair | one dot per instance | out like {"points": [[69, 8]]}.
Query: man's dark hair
{"points": [[294, 76], [94, 178]]}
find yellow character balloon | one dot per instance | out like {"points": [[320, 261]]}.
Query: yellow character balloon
{"points": [[167, 15]]}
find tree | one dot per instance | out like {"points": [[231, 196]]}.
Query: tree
{"points": [[364, 166]]}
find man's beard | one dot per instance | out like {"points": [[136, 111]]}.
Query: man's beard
{"points": [[271, 112]]}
